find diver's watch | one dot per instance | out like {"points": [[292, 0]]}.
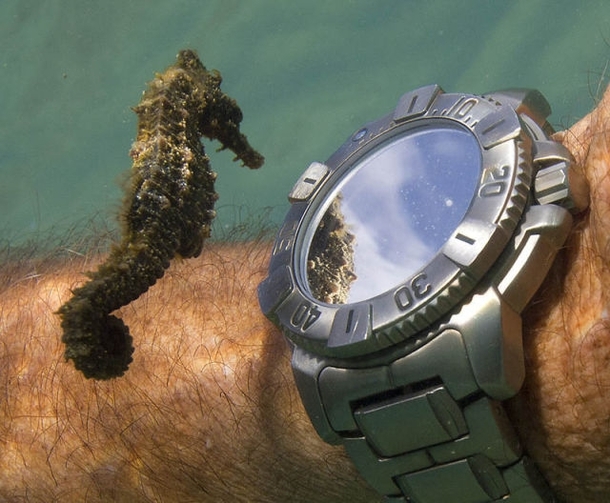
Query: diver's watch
{"points": [[399, 276]]}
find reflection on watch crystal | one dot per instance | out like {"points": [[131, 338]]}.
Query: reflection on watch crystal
{"points": [[391, 212], [330, 264]]}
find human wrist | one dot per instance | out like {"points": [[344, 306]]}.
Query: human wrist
{"points": [[562, 410]]}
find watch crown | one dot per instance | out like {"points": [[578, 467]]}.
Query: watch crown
{"points": [[560, 184]]}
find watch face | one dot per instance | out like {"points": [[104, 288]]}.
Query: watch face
{"points": [[399, 224], [391, 212]]}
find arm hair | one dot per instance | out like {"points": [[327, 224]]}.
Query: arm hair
{"points": [[208, 411]]}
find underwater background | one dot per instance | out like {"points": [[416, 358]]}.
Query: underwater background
{"points": [[306, 74]]}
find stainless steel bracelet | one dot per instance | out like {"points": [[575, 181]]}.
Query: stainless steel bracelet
{"points": [[421, 425]]}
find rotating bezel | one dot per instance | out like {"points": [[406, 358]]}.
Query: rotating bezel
{"points": [[398, 314]]}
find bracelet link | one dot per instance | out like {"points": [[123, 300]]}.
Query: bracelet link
{"points": [[483, 464], [464, 442], [433, 414]]}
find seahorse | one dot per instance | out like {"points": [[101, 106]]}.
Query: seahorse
{"points": [[168, 208]]}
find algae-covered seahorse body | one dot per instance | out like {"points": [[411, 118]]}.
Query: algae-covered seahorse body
{"points": [[167, 211]]}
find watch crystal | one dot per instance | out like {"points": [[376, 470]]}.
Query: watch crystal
{"points": [[392, 212]]}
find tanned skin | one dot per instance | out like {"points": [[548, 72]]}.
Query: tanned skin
{"points": [[208, 412]]}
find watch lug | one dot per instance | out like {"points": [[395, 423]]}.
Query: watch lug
{"points": [[492, 334], [306, 368], [542, 234], [491, 323]]}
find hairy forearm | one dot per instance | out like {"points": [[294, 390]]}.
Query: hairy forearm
{"points": [[207, 411]]}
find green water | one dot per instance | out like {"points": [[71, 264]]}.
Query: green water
{"points": [[305, 73]]}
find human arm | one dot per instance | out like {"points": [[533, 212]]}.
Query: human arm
{"points": [[208, 410]]}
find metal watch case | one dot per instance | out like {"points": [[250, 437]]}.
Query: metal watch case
{"points": [[481, 278]]}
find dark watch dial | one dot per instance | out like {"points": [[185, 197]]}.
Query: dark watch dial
{"points": [[392, 212]]}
